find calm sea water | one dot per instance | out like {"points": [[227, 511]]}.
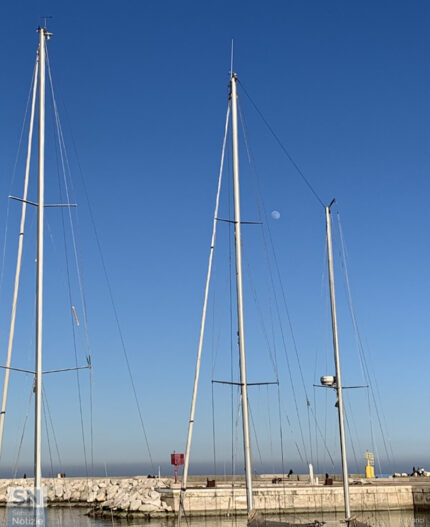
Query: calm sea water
{"points": [[75, 517]]}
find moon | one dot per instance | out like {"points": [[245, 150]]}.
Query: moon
{"points": [[276, 214]]}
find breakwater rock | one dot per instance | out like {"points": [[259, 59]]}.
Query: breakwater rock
{"points": [[103, 496]]}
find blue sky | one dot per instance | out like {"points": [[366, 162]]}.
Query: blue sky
{"points": [[142, 93]]}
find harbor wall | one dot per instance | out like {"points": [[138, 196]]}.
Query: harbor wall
{"points": [[293, 499], [153, 497]]}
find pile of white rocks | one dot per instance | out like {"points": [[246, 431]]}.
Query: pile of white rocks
{"points": [[130, 495], [120, 496]]}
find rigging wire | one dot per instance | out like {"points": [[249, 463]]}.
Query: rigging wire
{"points": [[18, 455], [67, 171], [281, 432], [371, 431], [18, 257], [269, 424], [203, 319], [230, 275], [255, 435], [273, 359], [114, 307], [325, 422], [283, 148], [362, 355], [116, 316], [260, 216], [213, 429], [323, 437], [354, 434], [271, 354], [351, 439], [236, 426], [302, 459], [81, 291], [325, 296], [61, 152], [234, 390], [14, 176], [260, 314], [48, 439], [264, 331], [315, 432], [60, 463], [81, 288]]}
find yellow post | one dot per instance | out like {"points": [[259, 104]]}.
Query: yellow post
{"points": [[370, 469]]}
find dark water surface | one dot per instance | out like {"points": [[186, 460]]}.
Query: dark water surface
{"points": [[75, 517]]}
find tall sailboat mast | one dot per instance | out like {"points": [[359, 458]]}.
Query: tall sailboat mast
{"points": [[338, 385], [239, 290], [43, 36]]}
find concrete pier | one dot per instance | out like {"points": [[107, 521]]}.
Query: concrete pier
{"points": [[295, 499], [299, 496], [153, 497]]}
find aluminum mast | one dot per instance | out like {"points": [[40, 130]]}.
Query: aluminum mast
{"points": [[239, 291], [43, 36], [338, 384]]}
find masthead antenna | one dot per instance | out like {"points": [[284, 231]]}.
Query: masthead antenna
{"points": [[231, 56], [45, 18]]}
